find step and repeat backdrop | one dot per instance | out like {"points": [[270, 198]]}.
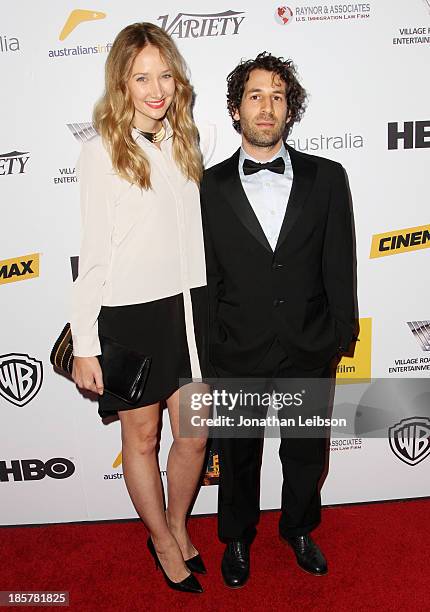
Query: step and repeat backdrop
{"points": [[364, 65]]}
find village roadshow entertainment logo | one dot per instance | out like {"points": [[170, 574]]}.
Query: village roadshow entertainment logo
{"points": [[198, 25], [418, 34]]}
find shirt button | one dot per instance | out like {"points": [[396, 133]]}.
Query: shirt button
{"points": [[278, 302], [277, 266]]}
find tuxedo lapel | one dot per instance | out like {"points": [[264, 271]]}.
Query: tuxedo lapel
{"points": [[233, 192], [304, 171]]}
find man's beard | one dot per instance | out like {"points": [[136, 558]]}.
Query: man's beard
{"points": [[259, 137]]}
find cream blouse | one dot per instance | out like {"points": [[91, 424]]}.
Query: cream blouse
{"points": [[136, 245]]}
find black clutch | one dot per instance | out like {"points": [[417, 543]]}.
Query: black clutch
{"points": [[125, 371]]}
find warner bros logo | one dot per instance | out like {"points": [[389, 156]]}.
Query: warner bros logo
{"points": [[410, 439], [20, 378]]}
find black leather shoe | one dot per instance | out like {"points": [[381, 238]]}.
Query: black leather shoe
{"points": [[195, 564], [308, 555], [235, 564], [190, 584]]}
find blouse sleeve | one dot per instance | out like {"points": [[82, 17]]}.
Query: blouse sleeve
{"points": [[95, 251]]}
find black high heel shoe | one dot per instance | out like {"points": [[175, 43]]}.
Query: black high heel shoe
{"points": [[195, 564], [190, 584]]}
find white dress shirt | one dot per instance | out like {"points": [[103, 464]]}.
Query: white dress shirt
{"points": [[137, 245], [268, 193]]}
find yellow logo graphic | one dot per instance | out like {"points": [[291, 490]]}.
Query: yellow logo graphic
{"points": [[359, 367], [117, 461], [400, 241], [76, 17], [19, 268]]}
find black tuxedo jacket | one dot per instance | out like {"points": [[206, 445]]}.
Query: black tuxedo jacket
{"points": [[303, 292]]}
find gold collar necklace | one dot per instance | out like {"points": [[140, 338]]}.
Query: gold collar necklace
{"points": [[153, 137]]}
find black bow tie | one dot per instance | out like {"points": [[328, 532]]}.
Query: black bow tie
{"points": [[251, 167]]}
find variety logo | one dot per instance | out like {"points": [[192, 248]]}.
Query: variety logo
{"points": [[19, 268], [76, 17], [20, 378], [35, 469], [322, 12], [410, 439], [13, 162], [413, 135], [284, 15], [9, 43], [193, 25], [82, 131], [326, 143], [421, 331], [400, 241]]}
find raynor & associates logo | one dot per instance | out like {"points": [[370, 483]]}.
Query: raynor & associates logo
{"points": [[20, 378], [410, 439], [400, 241], [322, 12], [13, 162], [198, 25]]}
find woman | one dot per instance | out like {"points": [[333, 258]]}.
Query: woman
{"points": [[142, 274]]}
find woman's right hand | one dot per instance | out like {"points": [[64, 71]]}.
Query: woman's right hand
{"points": [[87, 374]]}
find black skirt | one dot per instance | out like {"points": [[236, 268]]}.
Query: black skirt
{"points": [[157, 329]]}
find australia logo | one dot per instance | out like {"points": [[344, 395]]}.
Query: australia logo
{"points": [[410, 439]]}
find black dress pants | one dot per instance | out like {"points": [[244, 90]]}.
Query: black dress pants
{"points": [[303, 461]]}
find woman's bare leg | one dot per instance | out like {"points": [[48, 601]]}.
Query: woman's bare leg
{"points": [[139, 431], [184, 468]]}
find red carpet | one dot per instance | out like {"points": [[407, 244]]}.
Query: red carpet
{"points": [[378, 558]]}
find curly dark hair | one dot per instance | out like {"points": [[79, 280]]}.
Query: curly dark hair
{"points": [[285, 69]]}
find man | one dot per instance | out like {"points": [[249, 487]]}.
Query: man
{"points": [[279, 250]]}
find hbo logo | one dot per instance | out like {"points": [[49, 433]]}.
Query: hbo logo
{"points": [[35, 469]]}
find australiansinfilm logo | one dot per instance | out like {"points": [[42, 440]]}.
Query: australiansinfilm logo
{"points": [[76, 18], [198, 25], [317, 13], [19, 470], [405, 365], [410, 439], [20, 378]]}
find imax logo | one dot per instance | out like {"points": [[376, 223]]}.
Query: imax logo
{"points": [[35, 469], [20, 378], [13, 162], [413, 135], [19, 268], [421, 331], [191, 25], [410, 439]]}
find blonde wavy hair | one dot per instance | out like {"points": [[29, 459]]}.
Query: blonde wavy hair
{"points": [[113, 114]]}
